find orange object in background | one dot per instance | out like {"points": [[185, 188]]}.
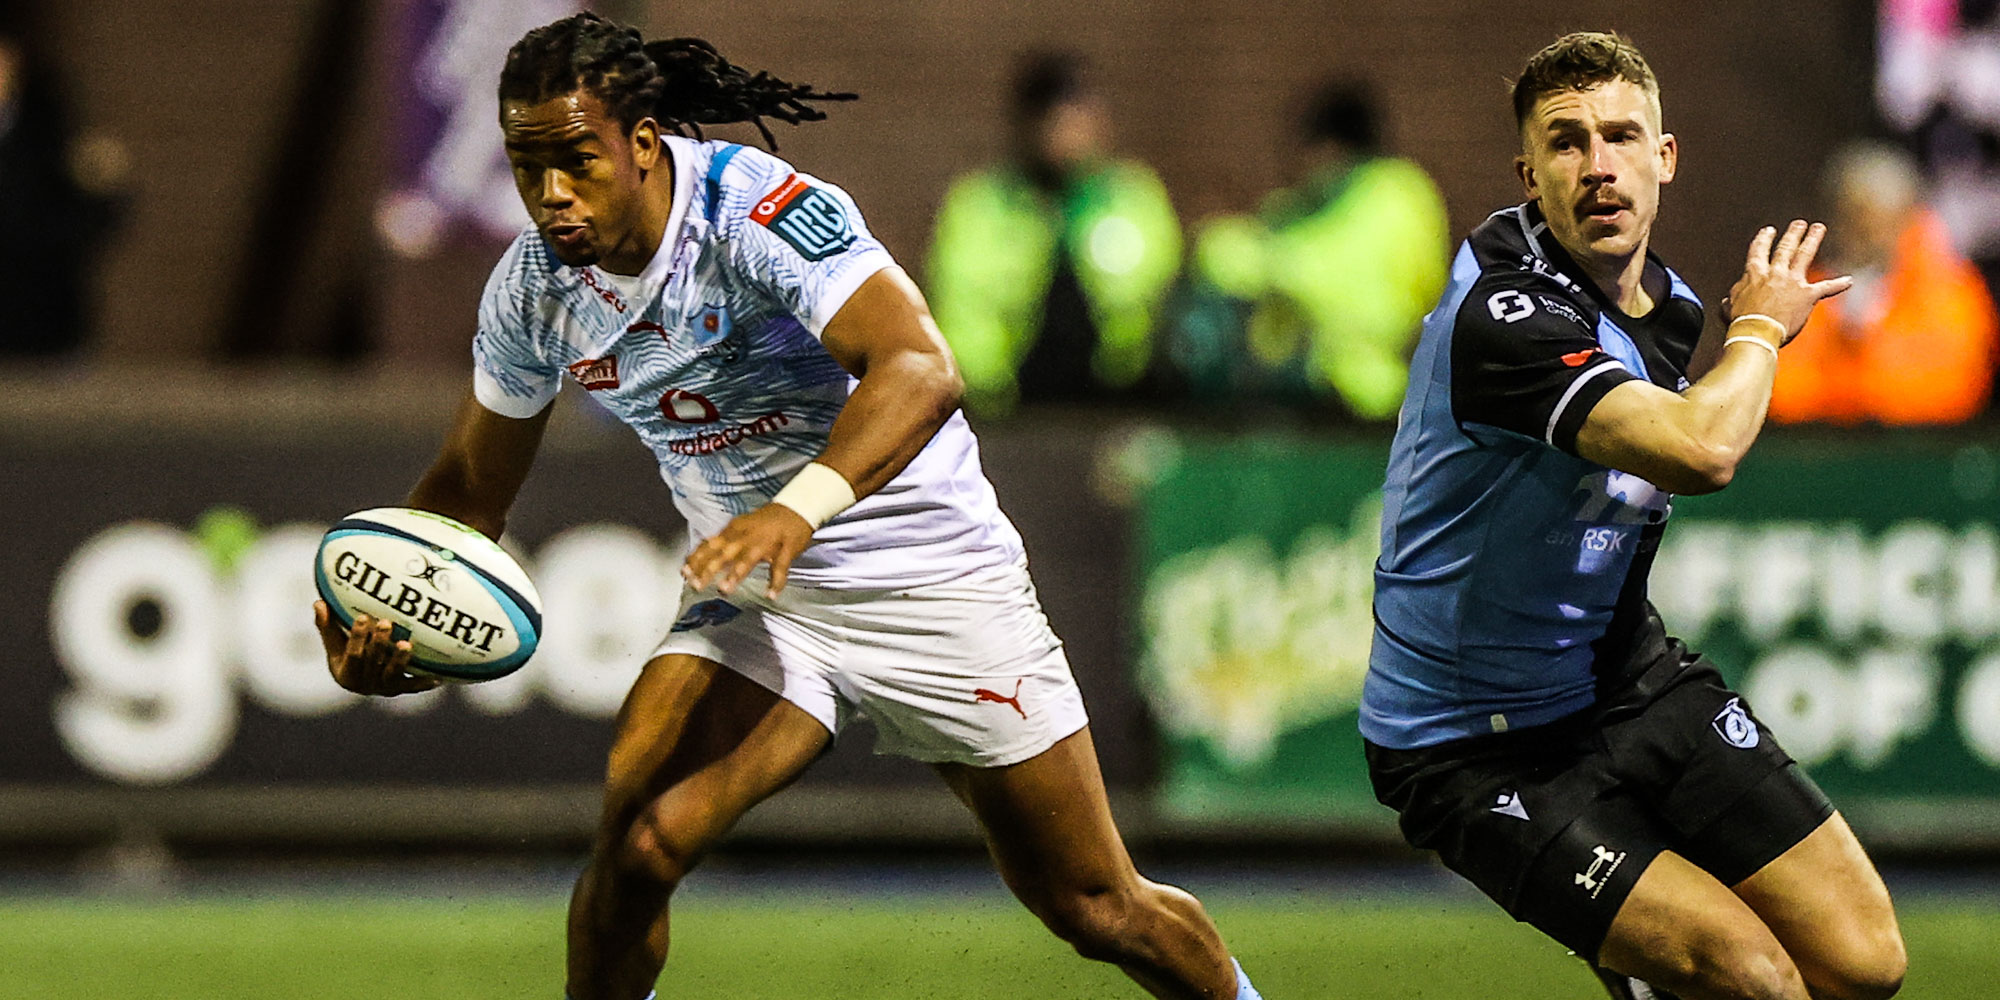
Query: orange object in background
{"points": [[1916, 349]]}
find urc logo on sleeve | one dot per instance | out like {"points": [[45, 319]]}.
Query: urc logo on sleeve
{"points": [[809, 218]]}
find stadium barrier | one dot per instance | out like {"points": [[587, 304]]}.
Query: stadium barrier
{"points": [[170, 684], [1848, 586]]}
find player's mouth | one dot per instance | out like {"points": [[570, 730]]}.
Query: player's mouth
{"points": [[568, 235], [1608, 213]]}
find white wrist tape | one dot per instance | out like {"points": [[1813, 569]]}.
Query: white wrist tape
{"points": [[1751, 339], [1784, 332], [817, 493]]}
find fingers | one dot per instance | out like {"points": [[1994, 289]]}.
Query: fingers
{"points": [[726, 563], [369, 659], [1808, 248], [1760, 249], [1788, 246], [741, 561], [781, 567], [331, 635], [722, 561], [351, 668], [1830, 287], [774, 534], [711, 557], [400, 679]]}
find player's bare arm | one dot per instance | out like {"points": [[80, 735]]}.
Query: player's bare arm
{"points": [[481, 467], [1691, 442], [474, 479], [909, 386]]}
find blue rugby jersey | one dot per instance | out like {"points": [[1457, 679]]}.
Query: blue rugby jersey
{"points": [[712, 356], [1512, 571]]}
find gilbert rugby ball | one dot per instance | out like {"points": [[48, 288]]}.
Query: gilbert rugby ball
{"points": [[468, 609]]}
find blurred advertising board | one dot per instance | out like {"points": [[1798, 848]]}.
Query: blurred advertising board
{"points": [[162, 582], [1256, 560], [166, 595], [1849, 587]]}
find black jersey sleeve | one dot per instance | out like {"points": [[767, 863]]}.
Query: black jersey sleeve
{"points": [[1525, 359]]}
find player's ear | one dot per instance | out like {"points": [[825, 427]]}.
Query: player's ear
{"points": [[646, 144], [1526, 171], [1670, 157]]}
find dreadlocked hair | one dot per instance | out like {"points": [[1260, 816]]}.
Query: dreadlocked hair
{"points": [[682, 83]]}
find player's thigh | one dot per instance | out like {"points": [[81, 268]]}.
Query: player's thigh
{"points": [[1828, 907], [698, 744], [966, 671], [1047, 821], [1680, 929]]}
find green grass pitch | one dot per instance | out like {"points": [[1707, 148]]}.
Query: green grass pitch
{"points": [[765, 948]]}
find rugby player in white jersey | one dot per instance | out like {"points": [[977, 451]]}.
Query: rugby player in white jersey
{"points": [[849, 559]]}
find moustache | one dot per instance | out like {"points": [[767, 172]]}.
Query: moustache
{"points": [[1599, 202]]}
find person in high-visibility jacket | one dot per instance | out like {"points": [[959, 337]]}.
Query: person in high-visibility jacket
{"points": [[1913, 342], [1048, 272], [1319, 296]]}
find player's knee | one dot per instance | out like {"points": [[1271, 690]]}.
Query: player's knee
{"points": [[1097, 922], [648, 848], [1736, 967], [1867, 971]]}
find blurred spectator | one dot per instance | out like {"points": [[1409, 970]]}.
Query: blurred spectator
{"points": [[61, 200], [1913, 341], [1048, 271], [1320, 295]]}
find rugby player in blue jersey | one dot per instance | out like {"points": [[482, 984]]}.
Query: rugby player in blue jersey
{"points": [[849, 557], [1525, 711]]}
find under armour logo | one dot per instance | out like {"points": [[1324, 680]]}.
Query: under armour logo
{"points": [[982, 694], [1604, 861]]}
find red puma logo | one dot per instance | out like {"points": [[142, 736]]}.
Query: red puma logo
{"points": [[981, 694]]}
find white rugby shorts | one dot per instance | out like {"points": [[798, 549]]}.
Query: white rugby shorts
{"points": [[966, 671]]}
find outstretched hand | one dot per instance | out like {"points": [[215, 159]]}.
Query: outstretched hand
{"points": [[1776, 280], [773, 534]]}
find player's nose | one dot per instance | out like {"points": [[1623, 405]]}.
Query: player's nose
{"points": [[1602, 165], [555, 189]]}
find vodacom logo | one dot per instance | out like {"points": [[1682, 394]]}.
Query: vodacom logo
{"points": [[683, 406]]}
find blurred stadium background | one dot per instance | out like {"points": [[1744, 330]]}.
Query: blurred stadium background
{"points": [[277, 222]]}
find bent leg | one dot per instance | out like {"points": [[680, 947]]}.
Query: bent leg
{"points": [[1682, 930], [1827, 905], [1049, 827], [697, 745]]}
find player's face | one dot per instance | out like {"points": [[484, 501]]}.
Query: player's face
{"points": [[1596, 159], [581, 175]]}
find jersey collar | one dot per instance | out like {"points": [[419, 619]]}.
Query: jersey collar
{"points": [[1659, 284], [657, 269]]}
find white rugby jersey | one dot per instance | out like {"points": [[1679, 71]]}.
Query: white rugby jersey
{"points": [[713, 356]]}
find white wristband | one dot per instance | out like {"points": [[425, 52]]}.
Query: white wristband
{"points": [[1784, 332], [817, 493], [1751, 339]]}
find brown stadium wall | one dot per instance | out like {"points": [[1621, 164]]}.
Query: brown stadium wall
{"points": [[204, 90]]}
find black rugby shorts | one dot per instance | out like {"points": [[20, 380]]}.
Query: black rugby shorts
{"points": [[1556, 823]]}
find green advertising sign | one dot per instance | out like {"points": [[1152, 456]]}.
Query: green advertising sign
{"points": [[1257, 559], [1850, 590]]}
